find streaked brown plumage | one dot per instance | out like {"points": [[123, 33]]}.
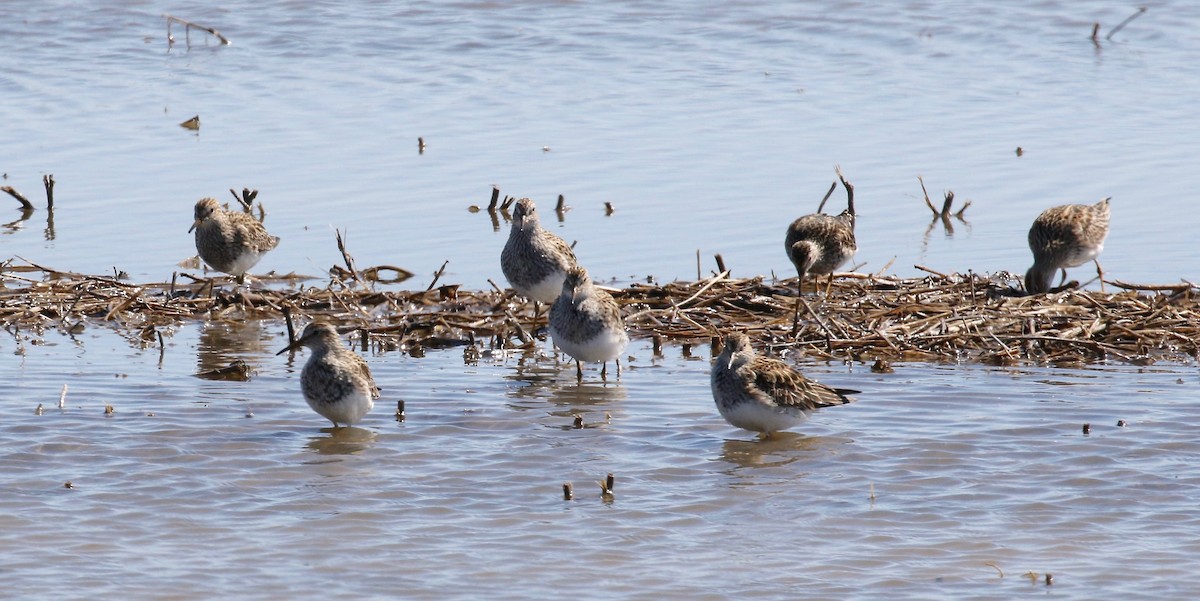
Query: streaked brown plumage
{"points": [[534, 260], [336, 382], [818, 244], [763, 394], [586, 322], [1066, 236], [229, 241]]}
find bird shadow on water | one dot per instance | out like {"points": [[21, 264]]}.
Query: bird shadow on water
{"points": [[781, 449], [342, 441]]}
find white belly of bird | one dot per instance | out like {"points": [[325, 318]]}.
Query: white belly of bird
{"points": [[604, 347], [244, 261], [757, 417], [347, 410], [547, 290], [1083, 256]]}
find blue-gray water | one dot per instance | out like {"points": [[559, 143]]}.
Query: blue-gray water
{"points": [[709, 127]]}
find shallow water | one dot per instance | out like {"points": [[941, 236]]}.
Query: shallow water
{"points": [[709, 128], [196, 487]]}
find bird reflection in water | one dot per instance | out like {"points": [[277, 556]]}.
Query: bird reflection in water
{"points": [[342, 441], [779, 450]]}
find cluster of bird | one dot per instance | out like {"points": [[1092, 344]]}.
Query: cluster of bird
{"points": [[751, 391]]}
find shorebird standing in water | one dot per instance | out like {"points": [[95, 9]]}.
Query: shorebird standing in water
{"points": [[534, 260], [336, 382], [764, 394], [586, 323], [230, 241], [1066, 236]]}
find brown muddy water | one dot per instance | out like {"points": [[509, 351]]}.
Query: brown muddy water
{"points": [[709, 127]]}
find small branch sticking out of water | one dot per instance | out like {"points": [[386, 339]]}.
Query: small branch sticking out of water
{"points": [[832, 187], [721, 264], [849, 189], [420, 145], [349, 260], [48, 181], [568, 493], [437, 275], [62, 397], [187, 32], [25, 204], [287, 318], [495, 200], [1121, 25], [246, 199], [1095, 34]]}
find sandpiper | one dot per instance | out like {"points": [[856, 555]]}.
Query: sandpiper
{"points": [[229, 241], [763, 394], [1066, 236], [534, 260], [336, 382], [586, 323], [818, 244]]}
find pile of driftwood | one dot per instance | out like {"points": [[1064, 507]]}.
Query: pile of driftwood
{"points": [[941, 317]]}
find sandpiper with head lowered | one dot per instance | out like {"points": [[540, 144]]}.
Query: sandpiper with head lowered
{"points": [[763, 394], [336, 382], [818, 244], [586, 323], [534, 260], [230, 241], [1066, 236]]}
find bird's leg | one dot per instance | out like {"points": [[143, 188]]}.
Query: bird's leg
{"points": [[829, 286], [604, 371], [796, 313], [618, 360], [578, 371], [1099, 273]]}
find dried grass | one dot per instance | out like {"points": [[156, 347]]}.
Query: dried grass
{"points": [[941, 317]]}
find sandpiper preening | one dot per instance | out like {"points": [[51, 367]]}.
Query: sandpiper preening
{"points": [[230, 241], [763, 394], [336, 382], [534, 260], [1066, 236], [586, 323]]}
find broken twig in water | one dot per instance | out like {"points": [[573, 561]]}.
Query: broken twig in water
{"points": [[188, 29], [48, 181], [25, 204], [1140, 11]]}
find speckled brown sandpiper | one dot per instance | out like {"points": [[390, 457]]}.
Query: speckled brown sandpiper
{"points": [[586, 323], [1066, 236], [534, 260], [763, 394], [229, 241], [336, 382]]}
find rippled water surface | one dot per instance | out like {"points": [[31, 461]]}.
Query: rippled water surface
{"points": [[709, 127], [939, 479]]}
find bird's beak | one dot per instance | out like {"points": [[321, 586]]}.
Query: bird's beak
{"points": [[195, 224]]}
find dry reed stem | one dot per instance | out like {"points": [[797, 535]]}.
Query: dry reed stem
{"points": [[941, 317]]}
